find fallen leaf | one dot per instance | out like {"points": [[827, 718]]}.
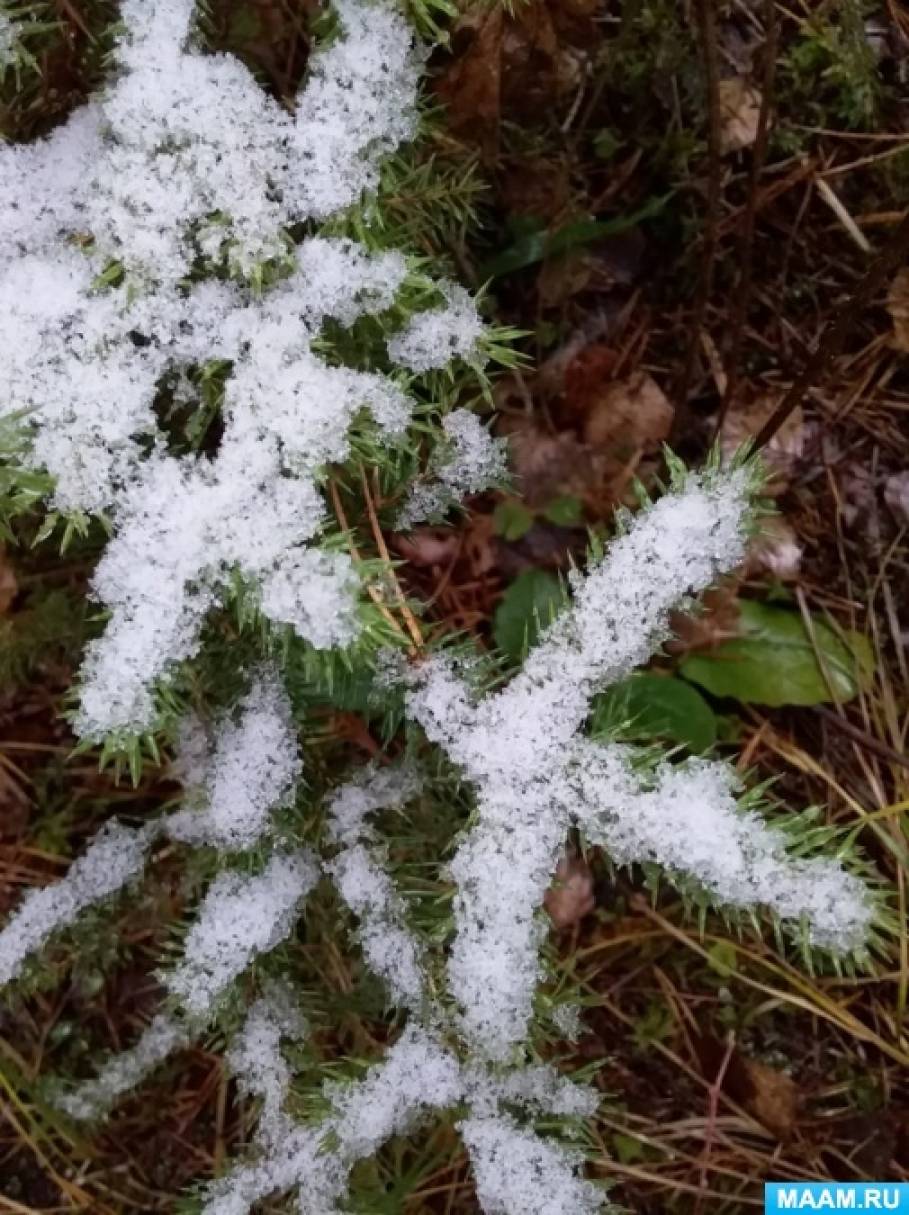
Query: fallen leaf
{"points": [[629, 416], [536, 187], [715, 621], [785, 449], [480, 547], [548, 466], [570, 897], [427, 546], [576, 8], [533, 71], [471, 85], [775, 551], [740, 110], [512, 64], [769, 1095], [614, 432], [898, 307], [586, 371]]}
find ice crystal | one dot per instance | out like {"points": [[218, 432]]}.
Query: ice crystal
{"points": [[518, 1173], [234, 783], [256, 1060], [418, 1075]]}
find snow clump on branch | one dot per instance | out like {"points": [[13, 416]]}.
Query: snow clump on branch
{"points": [[183, 161]]}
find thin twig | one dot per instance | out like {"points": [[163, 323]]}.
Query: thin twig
{"points": [[742, 296], [834, 336], [410, 620], [713, 1108], [857, 734], [371, 589], [706, 18]]}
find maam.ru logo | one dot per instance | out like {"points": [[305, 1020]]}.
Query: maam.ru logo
{"points": [[835, 1196]]}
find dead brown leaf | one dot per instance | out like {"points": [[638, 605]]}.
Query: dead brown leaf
{"points": [[717, 621], [775, 550], [471, 86], [785, 449], [621, 422], [535, 67], [570, 897], [629, 416], [546, 466], [584, 373], [537, 186], [769, 1095], [898, 307], [740, 110], [513, 64], [481, 545], [427, 546]]}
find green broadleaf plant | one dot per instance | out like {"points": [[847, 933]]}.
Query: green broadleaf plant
{"points": [[778, 660], [649, 706]]}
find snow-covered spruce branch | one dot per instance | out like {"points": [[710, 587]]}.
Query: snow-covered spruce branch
{"points": [[183, 161], [535, 775], [529, 791]]}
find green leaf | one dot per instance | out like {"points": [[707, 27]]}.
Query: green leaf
{"points": [[605, 144], [535, 244], [511, 519], [532, 601], [723, 958], [628, 1150], [648, 706], [773, 661], [564, 511]]}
